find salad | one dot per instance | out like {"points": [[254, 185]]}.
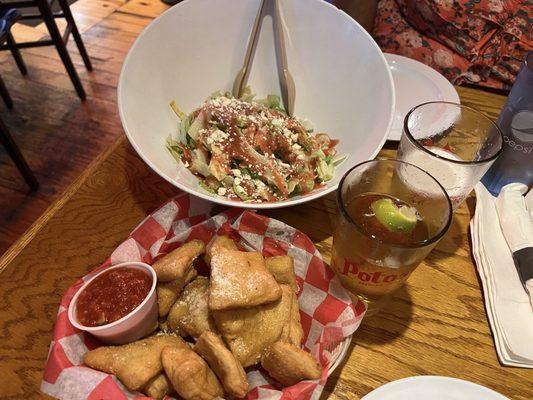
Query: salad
{"points": [[251, 149]]}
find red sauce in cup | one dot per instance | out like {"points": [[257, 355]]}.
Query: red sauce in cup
{"points": [[112, 295]]}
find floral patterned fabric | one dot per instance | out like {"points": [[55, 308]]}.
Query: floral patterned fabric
{"points": [[479, 42]]}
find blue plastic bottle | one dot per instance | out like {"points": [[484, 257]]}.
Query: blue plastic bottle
{"points": [[515, 164]]}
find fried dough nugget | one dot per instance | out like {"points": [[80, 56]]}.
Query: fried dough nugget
{"points": [[168, 292], [190, 316], [163, 326], [158, 387], [177, 263], [189, 374], [292, 331], [240, 279], [134, 363], [282, 268], [288, 364], [230, 372], [249, 331], [218, 243]]}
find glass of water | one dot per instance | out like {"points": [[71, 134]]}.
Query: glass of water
{"points": [[456, 144]]}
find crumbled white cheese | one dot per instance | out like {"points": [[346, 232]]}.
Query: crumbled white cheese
{"points": [[219, 136], [263, 117], [277, 122], [259, 184], [221, 191], [236, 172], [294, 137], [237, 181], [224, 100], [296, 147]]}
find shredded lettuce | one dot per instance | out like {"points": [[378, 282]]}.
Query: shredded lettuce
{"points": [[247, 94], [309, 185], [195, 127], [293, 187], [191, 144], [206, 187], [338, 159], [326, 165], [248, 171], [184, 127], [180, 114], [199, 163], [272, 101], [239, 191], [308, 125], [218, 93], [174, 148], [214, 95], [217, 169], [324, 170]]}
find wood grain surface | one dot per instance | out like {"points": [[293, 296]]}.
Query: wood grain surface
{"points": [[58, 134], [436, 325]]}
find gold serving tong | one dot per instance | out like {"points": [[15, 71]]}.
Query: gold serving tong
{"points": [[288, 89]]}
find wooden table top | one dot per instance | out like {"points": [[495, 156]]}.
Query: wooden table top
{"points": [[436, 325]]}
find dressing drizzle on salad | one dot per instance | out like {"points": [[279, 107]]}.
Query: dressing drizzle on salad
{"points": [[252, 150]]}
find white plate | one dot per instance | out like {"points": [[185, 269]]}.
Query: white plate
{"points": [[343, 82], [433, 388], [415, 83]]}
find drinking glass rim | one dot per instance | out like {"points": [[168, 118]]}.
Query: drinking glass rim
{"points": [[419, 244], [418, 145]]}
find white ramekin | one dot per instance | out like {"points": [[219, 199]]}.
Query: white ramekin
{"points": [[138, 323]]}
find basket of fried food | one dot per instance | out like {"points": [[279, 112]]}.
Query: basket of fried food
{"points": [[247, 309], [246, 314]]}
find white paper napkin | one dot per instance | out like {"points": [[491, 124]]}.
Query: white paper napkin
{"points": [[516, 223], [509, 312]]}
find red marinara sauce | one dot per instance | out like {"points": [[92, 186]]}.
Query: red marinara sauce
{"points": [[112, 295]]}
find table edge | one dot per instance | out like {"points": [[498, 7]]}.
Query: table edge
{"points": [[57, 204]]}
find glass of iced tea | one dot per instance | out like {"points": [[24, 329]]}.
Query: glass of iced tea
{"points": [[392, 214]]}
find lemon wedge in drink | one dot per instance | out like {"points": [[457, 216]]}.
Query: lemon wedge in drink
{"points": [[396, 219]]}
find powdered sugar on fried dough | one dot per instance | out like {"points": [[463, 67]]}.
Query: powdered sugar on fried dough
{"points": [[240, 279]]}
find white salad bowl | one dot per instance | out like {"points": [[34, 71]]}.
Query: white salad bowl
{"points": [[343, 82]]}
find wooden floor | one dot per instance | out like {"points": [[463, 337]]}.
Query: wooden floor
{"points": [[58, 134]]}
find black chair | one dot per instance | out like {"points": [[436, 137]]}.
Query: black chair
{"points": [[7, 19], [56, 39], [17, 157]]}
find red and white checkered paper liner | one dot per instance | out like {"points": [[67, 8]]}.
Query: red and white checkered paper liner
{"points": [[327, 313]]}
